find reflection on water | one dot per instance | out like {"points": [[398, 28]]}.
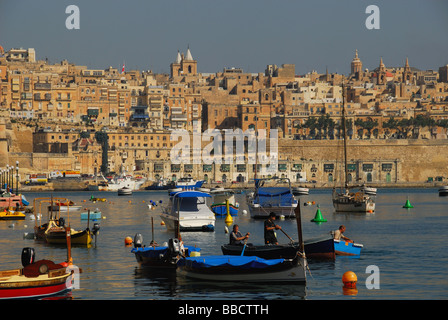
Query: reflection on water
{"points": [[405, 244]]}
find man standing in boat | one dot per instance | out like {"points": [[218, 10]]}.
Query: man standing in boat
{"points": [[339, 234], [269, 227], [236, 237]]}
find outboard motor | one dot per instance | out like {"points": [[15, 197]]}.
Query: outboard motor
{"points": [[28, 256], [138, 240], [96, 229], [173, 249]]}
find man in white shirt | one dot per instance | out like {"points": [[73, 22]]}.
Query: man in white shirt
{"points": [[339, 234]]}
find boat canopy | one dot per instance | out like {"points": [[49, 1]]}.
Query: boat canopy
{"points": [[273, 191], [244, 262], [190, 194], [275, 196]]}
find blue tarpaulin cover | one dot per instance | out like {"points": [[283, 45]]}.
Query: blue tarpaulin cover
{"points": [[274, 196], [243, 262], [190, 194]]}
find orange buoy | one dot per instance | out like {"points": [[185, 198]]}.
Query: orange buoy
{"points": [[128, 241], [349, 279]]}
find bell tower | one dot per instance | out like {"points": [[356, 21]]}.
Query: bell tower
{"points": [[356, 66]]}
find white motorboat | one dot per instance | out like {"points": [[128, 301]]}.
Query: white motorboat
{"points": [[300, 191], [443, 191], [189, 183], [369, 190], [125, 191], [190, 209]]}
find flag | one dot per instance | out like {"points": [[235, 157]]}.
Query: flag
{"points": [[122, 69]]}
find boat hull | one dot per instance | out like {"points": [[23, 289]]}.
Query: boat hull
{"points": [[158, 257], [21, 287], [14, 215], [344, 248], [354, 207], [190, 222], [318, 248], [93, 215], [288, 271], [443, 191], [83, 237], [220, 209]]}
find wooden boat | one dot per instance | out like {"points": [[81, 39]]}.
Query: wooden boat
{"points": [[346, 201], [53, 231], [272, 195], [243, 269], [345, 248], [223, 201], [38, 279], [321, 248], [11, 214], [190, 209], [9, 199]]}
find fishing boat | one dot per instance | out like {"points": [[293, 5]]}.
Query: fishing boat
{"points": [[300, 191], [125, 191], [251, 269], [321, 248], [345, 200], [189, 183], [345, 248], [123, 180], [443, 191], [224, 202], [11, 214], [53, 231], [165, 256], [272, 195], [161, 184], [190, 209]]}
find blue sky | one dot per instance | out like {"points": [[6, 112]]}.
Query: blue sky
{"points": [[249, 34]]}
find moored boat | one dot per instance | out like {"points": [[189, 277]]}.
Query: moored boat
{"points": [[189, 183], [272, 195], [229, 268], [92, 215], [443, 191], [345, 248], [224, 202], [300, 191], [11, 214], [190, 209], [368, 190], [125, 191]]}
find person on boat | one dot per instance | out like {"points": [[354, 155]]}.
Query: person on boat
{"points": [[269, 227], [236, 237], [339, 234]]}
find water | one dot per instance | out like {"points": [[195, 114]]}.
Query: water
{"points": [[407, 245]]}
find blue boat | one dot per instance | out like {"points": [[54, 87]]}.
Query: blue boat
{"points": [[162, 256], [344, 248], [220, 198], [230, 268], [189, 183], [94, 215]]}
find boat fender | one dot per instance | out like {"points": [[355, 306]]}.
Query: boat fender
{"points": [[138, 240], [28, 256]]}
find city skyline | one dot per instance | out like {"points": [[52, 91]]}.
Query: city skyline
{"points": [[316, 35]]}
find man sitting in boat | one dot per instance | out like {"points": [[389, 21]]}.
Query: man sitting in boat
{"points": [[269, 227], [339, 234], [236, 237]]}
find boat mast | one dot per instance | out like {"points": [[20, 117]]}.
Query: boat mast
{"points": [[345, 137]]}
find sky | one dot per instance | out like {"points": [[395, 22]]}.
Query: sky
{"points": [[247, 34]]}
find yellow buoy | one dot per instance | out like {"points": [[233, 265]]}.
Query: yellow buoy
{"points": [[349, 279], [128, 241]]}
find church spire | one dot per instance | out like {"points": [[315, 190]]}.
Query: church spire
{"points": [[189, 57], [178, 58]]}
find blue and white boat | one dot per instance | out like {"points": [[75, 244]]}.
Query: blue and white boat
{"points": [[223, 198], [190, 209], [93, 215], [230, 268], [189, 183], [272, 195], [345, 248]]}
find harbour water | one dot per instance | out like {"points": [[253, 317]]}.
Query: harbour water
{"points": [[408, 247]]}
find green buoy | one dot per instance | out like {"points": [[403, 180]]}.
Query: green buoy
{"points": [[408, 204], [318, 217]]}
